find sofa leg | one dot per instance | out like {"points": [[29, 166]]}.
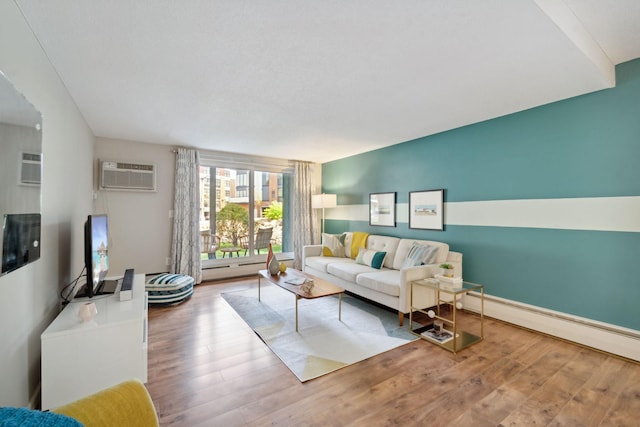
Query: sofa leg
{"points": [[401, 318]]}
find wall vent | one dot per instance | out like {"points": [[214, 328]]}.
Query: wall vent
{"points": [[116, 175], [30, 168]]}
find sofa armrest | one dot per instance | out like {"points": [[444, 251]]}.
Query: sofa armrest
{"points": [[408, 275], [309, 251], [455, 258]]}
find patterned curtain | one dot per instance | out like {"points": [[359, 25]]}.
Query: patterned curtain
{"points": [[304, 218], [185, 245]]}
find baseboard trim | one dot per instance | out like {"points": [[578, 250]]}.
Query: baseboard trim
{"points": [[602, 336], [231, 271], [240, 269]]}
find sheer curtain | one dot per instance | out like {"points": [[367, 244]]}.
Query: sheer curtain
{"points": [[185, 245], [304, 218]]}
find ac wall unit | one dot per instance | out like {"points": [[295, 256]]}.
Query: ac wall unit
{"points": [[30, 168], [116, 175]]}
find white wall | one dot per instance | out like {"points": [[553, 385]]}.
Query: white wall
{"points": [[139, 224], [30, 295]]}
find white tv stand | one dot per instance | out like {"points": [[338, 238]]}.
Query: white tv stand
{"points": [[82, 358]]}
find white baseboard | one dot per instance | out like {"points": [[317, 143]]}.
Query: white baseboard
{"points": [[599, 335], [237, 270], [231, 271]]}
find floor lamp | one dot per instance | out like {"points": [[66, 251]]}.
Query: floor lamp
{"points": [[323, 201]]}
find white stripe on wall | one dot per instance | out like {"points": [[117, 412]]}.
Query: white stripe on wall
{"points": [[595, 213]]}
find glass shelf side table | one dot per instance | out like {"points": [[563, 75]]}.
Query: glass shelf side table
{"points": [[453, 338]]}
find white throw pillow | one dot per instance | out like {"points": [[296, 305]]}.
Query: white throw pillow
{"points": [[333, 245], [371, 258], [420, 255]]}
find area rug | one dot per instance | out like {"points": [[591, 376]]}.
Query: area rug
{"points": [[323, 343]]}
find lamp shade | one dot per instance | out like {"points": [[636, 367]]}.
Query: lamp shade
{"points": [[320, 201]]}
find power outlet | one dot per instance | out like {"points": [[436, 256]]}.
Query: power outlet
{"points": [[167, 261]]}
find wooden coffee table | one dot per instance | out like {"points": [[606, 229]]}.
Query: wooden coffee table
{"points": [[321, 288]]}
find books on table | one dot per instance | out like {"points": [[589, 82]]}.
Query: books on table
{"points": [[296, 281], [440, 337]]}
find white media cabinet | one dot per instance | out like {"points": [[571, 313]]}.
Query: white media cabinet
{"points": [[82, 358]]}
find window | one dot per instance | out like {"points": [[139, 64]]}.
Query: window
{"points": [[246, 219]]}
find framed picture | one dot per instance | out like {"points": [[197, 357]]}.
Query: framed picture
{"points": [[426, 209], [382, 209]]}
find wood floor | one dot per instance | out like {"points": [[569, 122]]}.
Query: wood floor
{"points": [[208, 368]]}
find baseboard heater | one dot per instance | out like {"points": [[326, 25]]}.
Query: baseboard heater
{"points": [[609, 338], [240, 264]]}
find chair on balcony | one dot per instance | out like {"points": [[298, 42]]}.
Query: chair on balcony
{"points": [[209, 244], [262, 240]]}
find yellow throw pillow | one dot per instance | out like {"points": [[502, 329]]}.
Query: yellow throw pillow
{"points": [[359, 240]]}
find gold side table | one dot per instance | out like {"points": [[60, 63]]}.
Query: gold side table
{"points": [[446, 295]]}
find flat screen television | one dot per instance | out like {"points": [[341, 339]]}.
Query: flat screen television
{"points": [[96, 253], [20, 240]]}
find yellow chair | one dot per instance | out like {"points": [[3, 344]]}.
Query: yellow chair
{"points": [[125, 404]]}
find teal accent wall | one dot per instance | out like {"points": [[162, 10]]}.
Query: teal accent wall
{"points": [[584, 147]]}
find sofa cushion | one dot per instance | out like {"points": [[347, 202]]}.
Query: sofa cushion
{"points": [[385, 281], [405, 246], [320, 263], [420, 255], [384, 244], [371, 258], [348, 271], [333, 245]]}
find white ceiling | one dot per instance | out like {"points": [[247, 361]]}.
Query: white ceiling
{"points": [[321, 80]]}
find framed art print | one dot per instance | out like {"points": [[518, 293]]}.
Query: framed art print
{"points": [[426, 209], [382, 209]]}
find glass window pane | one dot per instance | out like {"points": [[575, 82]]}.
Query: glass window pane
{"points": [[241, 213], [268, 212]]}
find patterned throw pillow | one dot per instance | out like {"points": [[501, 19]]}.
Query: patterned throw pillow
{"points": [[333, 245], [371, 258], [420, 255]]}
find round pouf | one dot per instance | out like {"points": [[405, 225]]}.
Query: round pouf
{"points": [[169, 289]]}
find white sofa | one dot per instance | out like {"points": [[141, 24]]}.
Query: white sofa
{"points": [[390, 285]]}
